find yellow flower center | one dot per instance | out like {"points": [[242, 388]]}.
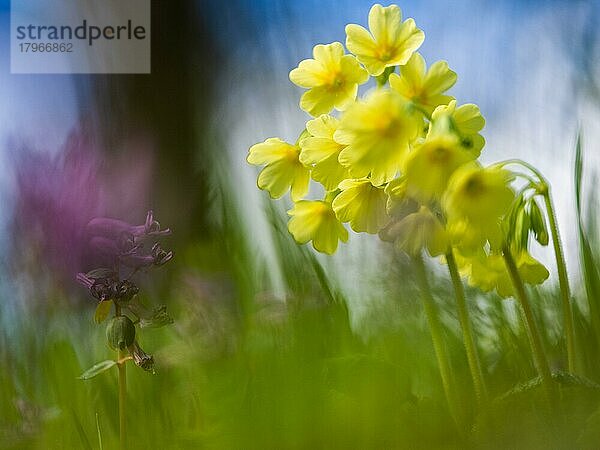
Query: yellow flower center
{"points": [[387, 126], [293, 154], [384, 53]]}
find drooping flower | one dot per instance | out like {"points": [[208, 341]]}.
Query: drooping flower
{"points": [[377, 132], [424, 87], [321, 152], [115, 228], [331, 77], [112, 242], [466, 121], [283, 170], [390, 41], [141, 358], [476, 200], [362, 205], [488, 271], [314, 220], [429, 166], [417, 231]]}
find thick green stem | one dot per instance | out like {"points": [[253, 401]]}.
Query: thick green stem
{"points": [[467, 330], [563, 280], [437, 336], [122, 393], [539, 357]]}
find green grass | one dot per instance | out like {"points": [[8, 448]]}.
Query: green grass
{"points": [[241, 369]]}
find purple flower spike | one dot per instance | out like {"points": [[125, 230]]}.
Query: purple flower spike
{"points": [[115, 228], [108, 228]]}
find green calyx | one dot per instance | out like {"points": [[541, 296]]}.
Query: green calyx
{"points": [[120, 333]]}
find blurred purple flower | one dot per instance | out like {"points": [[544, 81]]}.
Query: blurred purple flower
{"points": [[117, 242], [57, 195]]}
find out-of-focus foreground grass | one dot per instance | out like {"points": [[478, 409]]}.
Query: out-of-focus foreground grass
{"points": [[242, 369]]}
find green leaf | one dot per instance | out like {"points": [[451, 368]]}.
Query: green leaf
{"points": [[102, 311], [578, 173], [97, 369], [589, 264]]}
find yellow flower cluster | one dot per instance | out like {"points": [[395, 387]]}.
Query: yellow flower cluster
{"points": [[399, 161]]}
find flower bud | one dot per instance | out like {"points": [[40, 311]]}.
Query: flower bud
{"points": [[538, 223], [120, 333]]}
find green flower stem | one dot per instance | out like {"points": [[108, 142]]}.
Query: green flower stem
{"points": [[383, 78], [543, 188], [437, 336], [563, 280], [122, 360], [539, 357], [467, 330]]}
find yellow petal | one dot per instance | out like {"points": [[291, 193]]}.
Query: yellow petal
{"points": [[359, 41], [268, 151], [413, 72], [323, 126], [362, 205], [309, 73], [329, 55], [439, 78], [469, 119], [353, 71], [408, 40], [317, 101], [315, 221], [299, 185], [315, 150], [329, 172], [384, 23]]}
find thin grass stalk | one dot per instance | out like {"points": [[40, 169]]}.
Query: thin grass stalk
{"points": [[563, 280], [437, 336], [122, 360], [467, 330]]}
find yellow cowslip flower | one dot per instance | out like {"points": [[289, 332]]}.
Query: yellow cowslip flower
{"points": [[283, 169], [390, 42], [362, 205], [489, 272], [417, 231], [429, 166], [331, 78], [314, 220], [399, 204], [475, 201], [466, 121], [377, 133], [321, 152], [424, 87]]}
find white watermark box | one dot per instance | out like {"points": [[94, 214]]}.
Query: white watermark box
{"points": [[80, 36]]}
